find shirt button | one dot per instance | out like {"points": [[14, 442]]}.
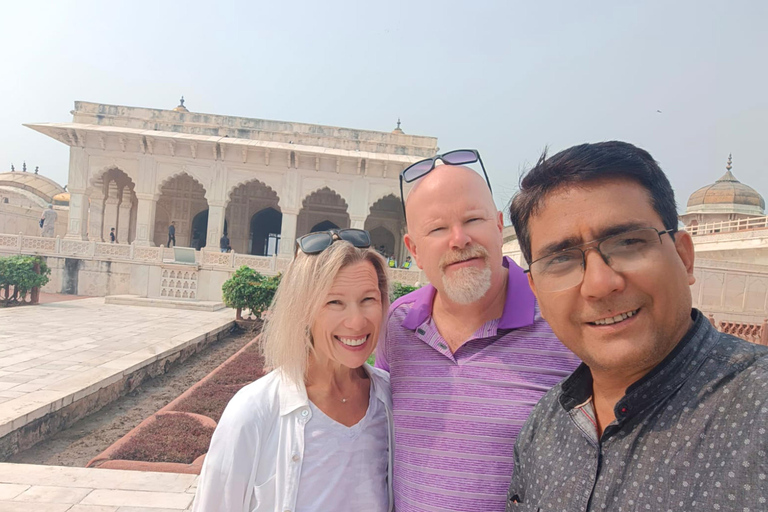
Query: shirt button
{"points": [[295, 458], [304, 413]]}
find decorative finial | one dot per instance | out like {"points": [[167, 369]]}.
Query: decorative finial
{"points": [[13, 169], [398, 123], [729, 165], [182, 101], [37, 169], [24, 166]]}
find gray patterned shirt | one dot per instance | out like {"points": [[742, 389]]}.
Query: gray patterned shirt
{"points": [[690, 435]]}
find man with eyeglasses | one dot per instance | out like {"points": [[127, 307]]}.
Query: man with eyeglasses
{"points": [[469, 354], [665, 413]]}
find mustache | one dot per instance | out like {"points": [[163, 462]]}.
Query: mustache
{"points": [[469, 252]]}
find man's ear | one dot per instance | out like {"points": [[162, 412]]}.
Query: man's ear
{"points": [[684, 248], [500, 221], [410, 243]]}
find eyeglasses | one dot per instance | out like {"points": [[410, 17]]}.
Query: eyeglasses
{"points": [[424, 167], [625, 252], [319, 241]]}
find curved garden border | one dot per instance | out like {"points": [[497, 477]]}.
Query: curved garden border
{"points": [[208, 396]]}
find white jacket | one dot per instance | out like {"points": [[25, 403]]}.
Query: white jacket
{"points": [[254, 461]]}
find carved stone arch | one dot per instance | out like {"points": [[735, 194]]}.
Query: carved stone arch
{"points": [[177, 175], [244, 201], [378, 197], [182, 198], [322, 205], [386, 224], [112, 204]]}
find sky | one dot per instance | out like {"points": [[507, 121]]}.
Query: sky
{"points": [[686, 80]]}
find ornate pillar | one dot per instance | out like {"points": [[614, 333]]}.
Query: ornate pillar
{"points": [[357, 222], [216, 211], [110, 210], [145, 219], [123, 224], [96, 220], [78, 215], [288, 233]]}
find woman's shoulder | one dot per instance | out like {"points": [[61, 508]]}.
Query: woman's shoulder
{"points": [[260, 398], [377, 374]]}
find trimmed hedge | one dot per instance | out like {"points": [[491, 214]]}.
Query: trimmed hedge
{"points": [[248, 289]]}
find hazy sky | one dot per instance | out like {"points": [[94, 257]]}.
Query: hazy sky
{"points": [[504, 77]]}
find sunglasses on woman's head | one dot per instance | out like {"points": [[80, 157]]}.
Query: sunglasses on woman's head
{"points": [[315, 243]]}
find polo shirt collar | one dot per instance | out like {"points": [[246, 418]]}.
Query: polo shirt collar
{"points": [[519, 304]]}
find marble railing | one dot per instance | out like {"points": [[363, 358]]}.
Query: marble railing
{"points": [[756, 333], [728, 226], [132, 253]]}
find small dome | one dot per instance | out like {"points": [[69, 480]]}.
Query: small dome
{"points": [[726, 195], [61, 199], [181, 107], [398, 130]]}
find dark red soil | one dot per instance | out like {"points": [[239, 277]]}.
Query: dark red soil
{"points": [[169, 438]]}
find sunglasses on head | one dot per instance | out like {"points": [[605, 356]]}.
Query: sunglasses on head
{"points": [[424, 167], [317, 242]]}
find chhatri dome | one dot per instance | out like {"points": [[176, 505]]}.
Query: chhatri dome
{"points": [[181, 107], [398, 130], [726, 195]]}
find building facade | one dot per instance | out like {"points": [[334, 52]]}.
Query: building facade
{"points": [[263, 183]]}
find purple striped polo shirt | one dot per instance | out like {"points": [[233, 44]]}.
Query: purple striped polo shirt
{"points": [[457, 415]]}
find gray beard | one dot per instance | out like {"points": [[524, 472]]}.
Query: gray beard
{"points": [[467, 285]]}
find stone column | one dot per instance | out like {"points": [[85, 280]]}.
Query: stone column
{"points": [[123, 224], [288, 233], [145, 219], [96, 220], [216, 213], [110, 211], [78, 215], [357, 222]]}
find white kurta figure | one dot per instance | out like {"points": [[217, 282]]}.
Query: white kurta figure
{"points": [[49, 221]]}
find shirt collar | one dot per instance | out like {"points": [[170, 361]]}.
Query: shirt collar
{"points": [[519, 304], [663, 380], [293, 395]]}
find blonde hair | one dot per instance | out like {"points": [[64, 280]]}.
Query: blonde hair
{"points": [[286, 337]]}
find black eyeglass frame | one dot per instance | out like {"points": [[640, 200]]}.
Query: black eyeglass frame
{"points": [[432, 168], [595, 244], [334, 235]]}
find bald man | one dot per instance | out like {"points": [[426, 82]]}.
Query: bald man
{"points": [[469, 354]]}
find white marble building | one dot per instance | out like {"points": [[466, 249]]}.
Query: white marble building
{"points": [[262, 182]]}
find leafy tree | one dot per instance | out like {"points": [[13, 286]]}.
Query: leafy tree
{"points": [[23, 273], [248, 289], [400, 289]]}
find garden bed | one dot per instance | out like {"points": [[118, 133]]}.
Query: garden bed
{"points": [[176, 437]]}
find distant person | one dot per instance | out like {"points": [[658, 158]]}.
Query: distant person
{"points": [[224, 243], [112, 237], [196, 240], [407, 262], [316, 433], [48, 221], [392, 262], [171, 234]]}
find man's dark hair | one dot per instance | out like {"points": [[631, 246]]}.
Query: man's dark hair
{"points": [[584, 163]]}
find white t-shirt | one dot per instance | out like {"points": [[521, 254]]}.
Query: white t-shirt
{"points": [[358, 456]]}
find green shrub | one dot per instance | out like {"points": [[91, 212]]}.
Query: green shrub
{"points": [[19, 272], [400, 289], [248, 289]]}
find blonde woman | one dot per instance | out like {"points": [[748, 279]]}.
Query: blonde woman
{"points": [[316, 433]]}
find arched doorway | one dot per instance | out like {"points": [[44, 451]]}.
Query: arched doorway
{"points": [[323, 226], [198, 236], [323, 207], [113, 204], [265, 232], [246, 201], [182, 200], [383, 241], [386, 225]]}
